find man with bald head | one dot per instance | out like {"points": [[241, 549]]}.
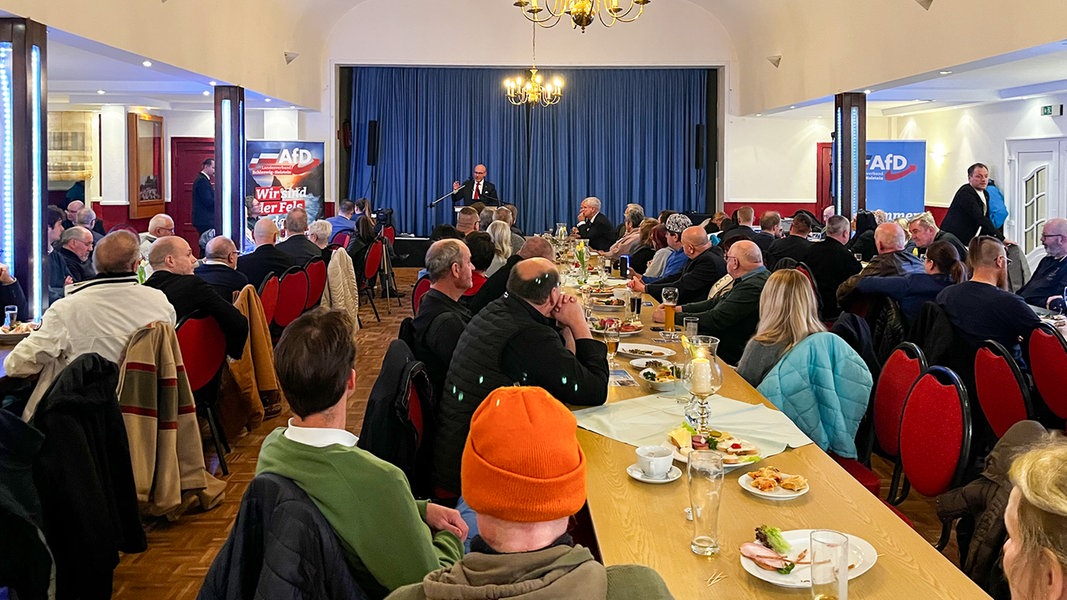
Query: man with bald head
{"points": [[891, 261], [95, 316], [732, 316], [76, 246], [535, 335], [219, 268], [72, 213], [476, 189], [831, 263], [1045, 287], [266, 258], [705, 267], [172, 263], [496, 285], [161, 225]]}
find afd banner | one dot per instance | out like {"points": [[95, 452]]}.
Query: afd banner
{"points": [[896, 177], [286, 174]]}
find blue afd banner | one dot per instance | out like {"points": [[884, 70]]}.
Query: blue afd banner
{"points": [[896, 177]]}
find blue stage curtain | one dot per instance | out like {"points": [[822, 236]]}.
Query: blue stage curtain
{"points": [[623, 135]]}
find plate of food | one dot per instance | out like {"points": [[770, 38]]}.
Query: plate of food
{"points": [[736, 452], [771, 483], [625, 329], [597, 290], [644, 351], [783, 557], [649, 363], [16, 333], [661, 379], [608, 304]]}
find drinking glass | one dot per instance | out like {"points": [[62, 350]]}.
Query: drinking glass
{"points": [[670, 301], [611, 338], [587, 296], [691, 327], [829, 565], [635, 305], [705, 475], [858, 256], [11, 315]]}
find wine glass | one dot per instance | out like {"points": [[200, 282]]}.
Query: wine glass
{"points": [[611, 338]]}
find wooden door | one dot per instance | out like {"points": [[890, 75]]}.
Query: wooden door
{"points": [[187, 157], [823, 177]]}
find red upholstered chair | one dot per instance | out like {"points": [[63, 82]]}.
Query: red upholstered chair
{"points": [[316, 275], [935, 436], [1048, 365], [421, 287], [292, 293], [1003, 392], [389, 233], [372, 263], [342, 238], [268, 296], [899, 373], [203, 346]]}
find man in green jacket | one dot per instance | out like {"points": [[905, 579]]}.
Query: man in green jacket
{"points": [[524, 495], [388, 538]]}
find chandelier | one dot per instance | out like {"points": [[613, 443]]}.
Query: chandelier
{"points": [[581, 12], [533, 90]]}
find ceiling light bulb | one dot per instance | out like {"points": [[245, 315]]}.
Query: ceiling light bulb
{"points": [[292, 106], [944, 72], [212, 83], [792, 107], [101, 92], [759, 114], [206, 93], [266, 99], [867, 92], [147, 63]]}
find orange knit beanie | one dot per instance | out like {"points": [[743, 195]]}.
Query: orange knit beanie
{"points": [[522, 461]]}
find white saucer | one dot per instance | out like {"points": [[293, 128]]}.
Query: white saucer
{"points": [[639, 475]]}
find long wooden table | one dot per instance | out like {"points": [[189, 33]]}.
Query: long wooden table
{"points": [[645, 524]]}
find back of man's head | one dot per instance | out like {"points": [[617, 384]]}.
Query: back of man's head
{"points": [[983, 251], [161, 225], [745, 215], [118, 252], [346, 207], [85, 217], [160, 249], [770, 220], [319, 232], [220, 248], [634, 215], [265, 232], [445, 231], [467, 220], [503, 214], [748, 254], [889, 237], [677, 223], [696, 237], [801, 226], [837, 225], [314, 359], [533, 280], [441, 256], [485, 218], [536, 246], [296, 222], [517, 482]]}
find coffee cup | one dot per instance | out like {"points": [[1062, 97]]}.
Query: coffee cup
{"points": [[654, 461]]}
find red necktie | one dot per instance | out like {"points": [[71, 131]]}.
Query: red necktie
{"points": [[476, 186]]}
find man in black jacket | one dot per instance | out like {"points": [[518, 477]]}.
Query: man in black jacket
{"points": [[743, 231], [537, 336], [795, 245], [266, 258], [924, 231], [968, 215], [172, 263], [76, 246], [705, 267], [441, 317], [497, 284], [594, 226], [831, 264], [204, 198], [891, 261], [296, 244], [476, 189], [219, 269]]}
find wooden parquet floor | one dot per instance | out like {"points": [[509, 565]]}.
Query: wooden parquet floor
{"points": [[179, 554]]}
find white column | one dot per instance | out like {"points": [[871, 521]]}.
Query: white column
{"points": [[114, 182]]}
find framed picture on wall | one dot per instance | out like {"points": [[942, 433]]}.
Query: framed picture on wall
{"points": [[145, 157]]}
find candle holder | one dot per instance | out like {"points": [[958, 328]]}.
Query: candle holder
{"points": [[703, 378]]}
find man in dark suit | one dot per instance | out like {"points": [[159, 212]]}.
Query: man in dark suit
{"points": [[770, 230], [266, 258], [204, 198], [219, 269], [172, 263], [476, 189], [296, 244], [968, 215], [795, 245], [75, 246], [705, 267], [831, 264], [497, 284], [594, 226]]}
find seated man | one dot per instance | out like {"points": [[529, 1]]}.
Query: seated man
{"points": [[76, 247], [441, 317], [705, 267], [796, 244], [172, 263], [675, 225], [982, 309], [594, 226], [831, 264], [524, 495], [160, 225], [72, 213], [87, 218], [890, 261], [388, 537], [296, 244], [770, 225], [266, 258], [467, 220], [219, 268], [1046, 286], [497, 284], [535, 335], [343, 221], [924, 231], [319, 233], [95, 316], [743, 231], [733, 315]]}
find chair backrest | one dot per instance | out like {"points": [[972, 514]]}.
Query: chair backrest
{"points": [[292, 293], [899, 373], [341, 238], [316, 274], [1048, 365], [421, 287], [390, 233], [1003, 393], [935, 432], [268, 296], [372, 260], [203, 347]]}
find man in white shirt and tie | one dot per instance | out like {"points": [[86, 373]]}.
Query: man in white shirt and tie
{"points": [[476, 189]]}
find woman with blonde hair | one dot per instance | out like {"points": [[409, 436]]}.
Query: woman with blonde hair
{"points": [[501, 234], [788, 313], [1035, 553]]}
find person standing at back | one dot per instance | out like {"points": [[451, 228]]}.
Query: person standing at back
{"points": [[968, 215], [204, 198]]}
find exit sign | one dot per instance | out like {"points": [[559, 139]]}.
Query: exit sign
{"points": [[1052, 110]]}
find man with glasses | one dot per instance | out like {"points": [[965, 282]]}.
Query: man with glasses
{"points": [[476, 189], [160, 225], [76, 247], [219, 268], [705, 267], [1045, 287]]}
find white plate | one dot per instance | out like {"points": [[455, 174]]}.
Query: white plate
{"points": [[678, 456], [628, 350], [861, 556], [639, 475], [642, 363], [617, 282], [778, 493], [621, 333], [602, 308]]}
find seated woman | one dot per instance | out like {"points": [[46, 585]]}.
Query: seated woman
{"points": [[943, 268], [788, 313], [502, 251], [1035, 554], [643, 251], [662, 253]]}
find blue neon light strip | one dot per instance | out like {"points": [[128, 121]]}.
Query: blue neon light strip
{"points": [[7, 167], [857, 170], [37, 200], [838, 167], [227, 172]]}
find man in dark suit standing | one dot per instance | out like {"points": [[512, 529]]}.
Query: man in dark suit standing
{"points": [[204, 198], [266, 259], [594, 226], [476, 189], [831, 264], [968, 215], [219, 269]]}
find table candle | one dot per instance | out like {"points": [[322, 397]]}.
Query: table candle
{"points": [[700, 376]]}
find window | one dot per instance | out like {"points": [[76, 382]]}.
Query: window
{"points": [[1035, 207]]}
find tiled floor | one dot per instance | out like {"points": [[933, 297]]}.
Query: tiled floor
{"points": [[179, 554]]}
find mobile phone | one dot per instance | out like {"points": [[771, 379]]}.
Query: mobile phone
{"points": [[657, 329]]}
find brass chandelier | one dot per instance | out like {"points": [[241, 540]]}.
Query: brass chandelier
{"points": [[581, 12], [533, 90]]}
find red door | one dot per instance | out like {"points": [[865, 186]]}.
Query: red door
{"points": [[187, 158], [823, 175]]}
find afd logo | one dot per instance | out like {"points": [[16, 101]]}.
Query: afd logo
{"points": [[295, 161], [889, 167]]}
